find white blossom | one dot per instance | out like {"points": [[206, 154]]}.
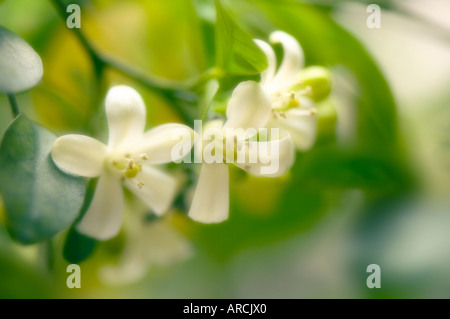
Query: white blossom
{"points": [[127, 158], [248, 110], [292, 109]]}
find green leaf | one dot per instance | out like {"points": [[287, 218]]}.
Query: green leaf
{"points": [[40, 200], [20, 65], [236, 53], [345, 169], [78, 247]]}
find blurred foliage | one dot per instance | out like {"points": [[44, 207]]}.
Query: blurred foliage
{"points": [[21, 66], [184, 44], [47, 200], [236, 53]]}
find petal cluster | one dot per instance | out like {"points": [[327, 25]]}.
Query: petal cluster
{"points": [[127, 159], [248, 111], [265, 122], [292, 109], [280, 104]]}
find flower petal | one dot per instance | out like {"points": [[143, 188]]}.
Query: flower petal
{"points": [[164, 245], [157, 189], [268, 74], [166, 143], [293, 60], [249, 107], [211, 199], [268, 158], [301, 125], [125, 111], [103, 218], [79, 154]]}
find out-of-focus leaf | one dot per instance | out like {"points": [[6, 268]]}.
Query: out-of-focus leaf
{"points": [[79, 247], [326, 43], [40, 200], [41, 21], [236, 52], [21, 280], [407, 236], [335, 168], [296, 211], [20, 66], [64, 100]]}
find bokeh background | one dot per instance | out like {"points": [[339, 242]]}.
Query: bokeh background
{"points": [[373, 190]]}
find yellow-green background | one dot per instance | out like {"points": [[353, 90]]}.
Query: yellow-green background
{"points": [[378, 193]]}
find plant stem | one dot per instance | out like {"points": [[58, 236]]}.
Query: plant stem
{"points": [[13, 103], [165, 88]]}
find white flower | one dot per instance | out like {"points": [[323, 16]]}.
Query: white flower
{"points": [[249, 108], [127, 158], [292, 110]]}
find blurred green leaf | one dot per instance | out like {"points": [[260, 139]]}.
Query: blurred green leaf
{"points": [[336, 168], [236, 52], [21, 280], [249, 226], [78, 247], [326, 43], [20, 65], [40, 200]]}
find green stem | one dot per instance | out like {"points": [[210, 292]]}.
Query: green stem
{"points": [[200, 81], [165, 88], [46, 256], [61, 7], [14, 106]]}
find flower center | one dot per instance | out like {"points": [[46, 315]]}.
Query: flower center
{"points": [[284, 100], [126, 166], [222, 149]]}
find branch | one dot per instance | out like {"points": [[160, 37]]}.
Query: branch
{"points": [[165, 88], [13, 103]]}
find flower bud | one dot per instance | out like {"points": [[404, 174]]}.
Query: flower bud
{"points": [[318, 79], [327, 117]]}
